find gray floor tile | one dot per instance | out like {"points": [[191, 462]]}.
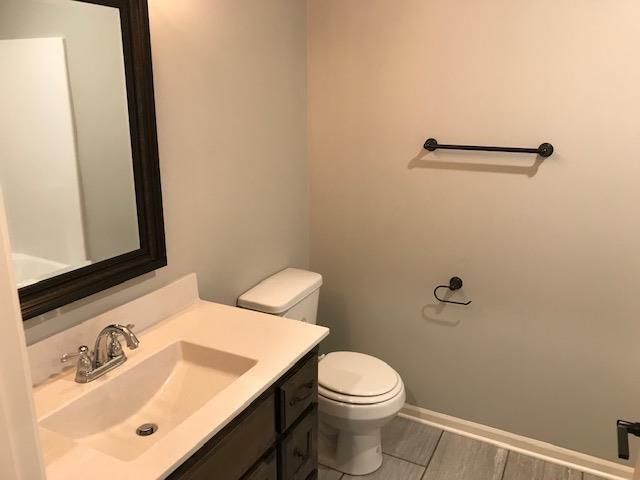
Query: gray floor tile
{"points": [[410, 440], [461, 458], [392, 469], [325, 473], [452, 457], [523, 467]]}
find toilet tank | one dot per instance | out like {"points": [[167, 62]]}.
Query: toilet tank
{"points": [[291, 293]]}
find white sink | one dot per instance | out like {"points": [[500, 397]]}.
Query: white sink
{"points": [[164, 389], [192, 374]]}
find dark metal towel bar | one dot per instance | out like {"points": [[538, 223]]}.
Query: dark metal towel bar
{"points": [[544, 150]]}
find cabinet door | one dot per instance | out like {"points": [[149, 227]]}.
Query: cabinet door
{"points": [[233, 452], [299, 449], [267, 469]]}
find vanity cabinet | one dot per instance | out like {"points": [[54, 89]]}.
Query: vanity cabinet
{"points": [[275, 438]]}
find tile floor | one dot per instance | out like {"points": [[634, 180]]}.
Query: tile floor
{"points": [[413, 451]]}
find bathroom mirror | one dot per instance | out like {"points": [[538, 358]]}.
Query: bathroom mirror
{"points": [[78, 150]]}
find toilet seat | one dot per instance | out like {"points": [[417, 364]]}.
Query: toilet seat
{"points": [[355, 400], [357, 379]]}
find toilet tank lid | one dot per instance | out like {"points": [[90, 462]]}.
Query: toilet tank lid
{"points": [[281, 291]]}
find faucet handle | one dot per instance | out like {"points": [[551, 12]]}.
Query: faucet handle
{"points": [[84, 367], [114, 347], [82, 351]]}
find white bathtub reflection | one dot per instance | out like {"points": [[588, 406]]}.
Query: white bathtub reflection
{"points": [[30, 269]]}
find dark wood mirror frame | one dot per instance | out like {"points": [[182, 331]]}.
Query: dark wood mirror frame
{"points": [[57, 291]]}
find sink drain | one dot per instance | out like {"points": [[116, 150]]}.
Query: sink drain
{"points": [[146, 429]]}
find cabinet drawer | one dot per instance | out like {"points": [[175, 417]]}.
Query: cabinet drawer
{"points": [[297, 392], [299, 450], [232, 452], [267, 469]]}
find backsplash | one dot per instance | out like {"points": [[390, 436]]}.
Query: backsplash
{"points": [[143, 312]]}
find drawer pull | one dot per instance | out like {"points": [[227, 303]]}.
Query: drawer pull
{"points": [[307, 390], [303, 457]]}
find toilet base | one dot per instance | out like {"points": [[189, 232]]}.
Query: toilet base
{"points": [[351, 453]]}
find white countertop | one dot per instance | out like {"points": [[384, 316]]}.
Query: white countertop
{"points": [[275, 343]]}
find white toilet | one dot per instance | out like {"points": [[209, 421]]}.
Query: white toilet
{"points": [[357, 393]]}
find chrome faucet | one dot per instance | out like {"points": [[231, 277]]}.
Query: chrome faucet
{"points": [[107, 354]]}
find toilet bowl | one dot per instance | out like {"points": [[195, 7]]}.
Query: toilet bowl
{"points": [[357, 394]]}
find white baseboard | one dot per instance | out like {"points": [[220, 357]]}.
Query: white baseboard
{"points": [[534, 448]]}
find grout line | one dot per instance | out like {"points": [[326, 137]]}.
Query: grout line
{"points": [[433, 454], [331, 470], [504, 468], [404, 460]]}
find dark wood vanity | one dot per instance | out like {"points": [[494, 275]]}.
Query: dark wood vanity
{"points": [[275, 438]]}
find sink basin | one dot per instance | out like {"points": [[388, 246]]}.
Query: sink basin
{"points": [[164, 389]]}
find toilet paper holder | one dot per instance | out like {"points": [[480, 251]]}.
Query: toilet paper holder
{"points": [[455, 283]]}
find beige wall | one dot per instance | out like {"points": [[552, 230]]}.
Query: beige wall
{"points": [[549, 252], [230, 79]]}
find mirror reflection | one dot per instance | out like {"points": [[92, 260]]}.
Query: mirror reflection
{"points": [[65, 145]]}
